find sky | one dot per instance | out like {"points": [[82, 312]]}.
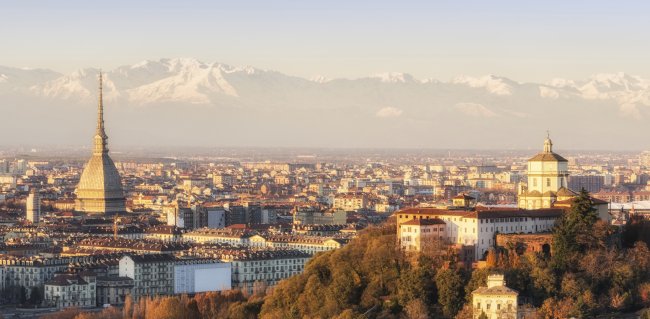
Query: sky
{"points": [[532, 41]]}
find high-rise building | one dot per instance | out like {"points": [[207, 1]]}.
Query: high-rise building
{"points": [[33, 207], [591, 183], [100, 187]]}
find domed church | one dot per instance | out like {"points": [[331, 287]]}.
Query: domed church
{"points": [[100, 187], [548, 175]]}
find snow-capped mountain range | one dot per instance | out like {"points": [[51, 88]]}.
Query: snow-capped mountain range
{"points": [[492, 104]]}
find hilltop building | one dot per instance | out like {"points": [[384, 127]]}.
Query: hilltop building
{"points": [[473, 229], [548, 175], [100, 187], [496, 301]]}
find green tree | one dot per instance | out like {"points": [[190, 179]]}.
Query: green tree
{"points": [[573, 231], [478, 279], [416, 283], [450, 286]]}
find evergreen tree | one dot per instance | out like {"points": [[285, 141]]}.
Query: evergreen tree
{"points": [[573, 231], [450, 286]]}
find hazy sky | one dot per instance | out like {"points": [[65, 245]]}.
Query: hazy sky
{"points": [[524, 40]]}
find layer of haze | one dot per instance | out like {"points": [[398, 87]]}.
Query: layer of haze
{"points": [[524, 40]]}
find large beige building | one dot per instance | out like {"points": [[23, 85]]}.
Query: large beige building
{"points": [[496, 300], [548, 174], [100, 187]]}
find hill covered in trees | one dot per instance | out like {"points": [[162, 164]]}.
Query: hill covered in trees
{"points": [[594, 268]]}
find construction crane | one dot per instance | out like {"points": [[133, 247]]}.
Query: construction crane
{"points": [[115, 226]]}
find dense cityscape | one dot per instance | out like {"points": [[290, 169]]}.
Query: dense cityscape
{"points": [[324, 159], [102, 234]]}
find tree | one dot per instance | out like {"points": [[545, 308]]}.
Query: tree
{"points": [[573, 231], [466, 313], [644, 294], [416, 283], [450, 286], [128, 307], [416, 309], [35, 296], [478, 279], [558, 309], [492, 259]]}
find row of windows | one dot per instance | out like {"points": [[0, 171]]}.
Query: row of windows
{"points": [[498, 306]]}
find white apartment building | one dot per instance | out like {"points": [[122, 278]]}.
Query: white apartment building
{"points": [[192, 275], [267, 267], [71, 290], [31, 272], [152, 274]]}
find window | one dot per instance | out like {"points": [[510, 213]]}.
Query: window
{"points": [[534, 182], [548, 182]]}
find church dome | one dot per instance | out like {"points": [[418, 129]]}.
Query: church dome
{"points": [[547, 155], [100, 179]]}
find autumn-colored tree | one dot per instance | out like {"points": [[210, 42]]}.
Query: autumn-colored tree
{"points": [[68, 313], [644, 294], [492, 258], [467, 312], [353, 277], [108, 313], [416, 309], [557, 309], [127, 311]]}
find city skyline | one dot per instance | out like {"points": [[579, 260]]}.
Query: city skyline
{"points": [[307, 159]]}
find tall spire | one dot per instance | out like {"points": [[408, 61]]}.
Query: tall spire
{"points": [[100, 107], [100, 134]]}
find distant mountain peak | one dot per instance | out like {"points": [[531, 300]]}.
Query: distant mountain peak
{"points": [[393, 77], [191, 81]]}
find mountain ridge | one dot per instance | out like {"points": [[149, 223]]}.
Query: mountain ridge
{"points": [[266, 106]]}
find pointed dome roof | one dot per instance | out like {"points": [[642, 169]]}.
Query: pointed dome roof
{"points": [[100, 186]]}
